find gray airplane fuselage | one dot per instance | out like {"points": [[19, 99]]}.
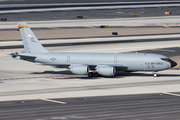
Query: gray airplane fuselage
{"points": [[133, 61]]}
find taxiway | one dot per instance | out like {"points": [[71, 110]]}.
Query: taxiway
{"points": [[30, 91]]}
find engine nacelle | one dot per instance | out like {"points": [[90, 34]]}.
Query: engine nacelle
{"points": [[79, 69], [106, 70]]}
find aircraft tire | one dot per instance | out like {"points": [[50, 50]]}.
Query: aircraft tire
{"points": [[155, 74], [90, 74], [96, 74]]}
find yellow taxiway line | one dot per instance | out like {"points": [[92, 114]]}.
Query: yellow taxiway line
{"points": [[54, 101], [5, 57], [11, 72], [171, 94], [166, 26]]}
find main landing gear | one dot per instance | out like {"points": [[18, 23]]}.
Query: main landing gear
{"points": [[93, 74], [90, 74]]}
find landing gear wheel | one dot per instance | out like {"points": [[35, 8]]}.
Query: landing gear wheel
{"points": [[96, 74], [90, 74], [155, 74]]}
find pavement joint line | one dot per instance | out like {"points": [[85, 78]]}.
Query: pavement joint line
{"points": [[65, 48], [171, 94], [28, 78], [53, 27], [54, 101], [11, 72], [166, 50], [89, 26]]}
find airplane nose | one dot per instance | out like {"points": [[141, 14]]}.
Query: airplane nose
{"points": [[173, 64]]}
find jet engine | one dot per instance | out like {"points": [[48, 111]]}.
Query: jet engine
{"points": [[106, 70], [79, 69]]}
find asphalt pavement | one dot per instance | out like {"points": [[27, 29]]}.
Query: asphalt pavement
{"points": [[90, 14], [159, 106], [101, 4]]}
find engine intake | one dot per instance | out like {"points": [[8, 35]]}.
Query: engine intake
{"points": [[79, 69], [106, 70]]}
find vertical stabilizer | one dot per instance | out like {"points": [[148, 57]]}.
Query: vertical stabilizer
{"points": [[31, 43]]}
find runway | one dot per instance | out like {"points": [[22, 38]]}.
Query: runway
{"points": [[143, 106], [97, 5], [103, 13]]}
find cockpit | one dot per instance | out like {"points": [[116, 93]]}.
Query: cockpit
{"points": [[166, 59], [173, 64]]}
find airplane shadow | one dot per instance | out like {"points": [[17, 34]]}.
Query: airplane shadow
{"points": [[54, 72], [68, 73], [117, 75], [123, 74]]}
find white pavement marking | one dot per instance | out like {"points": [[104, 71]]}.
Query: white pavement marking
{"points": [[171, 94], [54, 101]]}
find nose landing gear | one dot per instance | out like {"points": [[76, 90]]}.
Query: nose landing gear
{"points": [[155, 74], [90, 74]]}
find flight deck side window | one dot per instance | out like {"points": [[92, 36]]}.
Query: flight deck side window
{"points": [[166, 59]]}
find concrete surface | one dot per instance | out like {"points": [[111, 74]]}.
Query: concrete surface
{"points": [[88, 32], [140, 21], [31, 81]]}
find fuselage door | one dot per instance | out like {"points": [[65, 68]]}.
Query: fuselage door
{"points": [[115, 59], [68, 58]]}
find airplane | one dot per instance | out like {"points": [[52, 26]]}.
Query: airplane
{"points": [[91, 64]]}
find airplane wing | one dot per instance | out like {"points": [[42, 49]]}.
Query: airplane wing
{"points": [[119, 67]]}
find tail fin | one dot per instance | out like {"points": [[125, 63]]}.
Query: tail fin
{"points": [[31, 43]]}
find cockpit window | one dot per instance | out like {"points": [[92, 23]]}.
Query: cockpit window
{"points": [[166, 59]]}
